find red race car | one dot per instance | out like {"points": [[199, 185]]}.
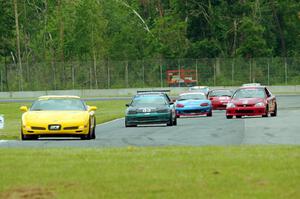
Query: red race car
{"points": [[252, 101], [219, 98]]}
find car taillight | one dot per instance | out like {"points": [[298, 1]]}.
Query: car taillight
{"points": [[204, 104], [211, 98], [179, 105]]}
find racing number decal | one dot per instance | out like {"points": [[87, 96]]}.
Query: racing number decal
{"points": [[146, 110]]}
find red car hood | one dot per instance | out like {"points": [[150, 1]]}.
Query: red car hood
{"points": [[221, 98], [249, 101]]}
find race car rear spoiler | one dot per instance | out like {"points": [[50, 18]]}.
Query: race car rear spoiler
{"points": [[154, 91]]}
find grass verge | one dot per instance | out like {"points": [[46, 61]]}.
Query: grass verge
{"points": [[165, 172], [107, 110]]}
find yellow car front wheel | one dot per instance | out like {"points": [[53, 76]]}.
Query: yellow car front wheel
{"points": [[91, 134], [28, 137]]}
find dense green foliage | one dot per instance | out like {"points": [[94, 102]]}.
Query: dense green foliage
{"points": [[61, 31]]}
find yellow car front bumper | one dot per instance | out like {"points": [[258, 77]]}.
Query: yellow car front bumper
{"points": [[27, 130]]}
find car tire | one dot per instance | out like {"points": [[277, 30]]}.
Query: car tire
{"points": [[86, 137], [267, 112], [229, 116], [175, 122], [274, 114], [28, 137], [24, 137], [170, 122], [238, 116], [89, 135], [93, 135], [129, 125], [209, 114]]}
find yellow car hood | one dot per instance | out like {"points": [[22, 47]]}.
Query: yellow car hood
{"points": [[56, 117]]}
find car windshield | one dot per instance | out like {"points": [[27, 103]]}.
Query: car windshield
{"points": [[58, 105], [191, 97], [148, 100], [219, 93], [249, 93]]}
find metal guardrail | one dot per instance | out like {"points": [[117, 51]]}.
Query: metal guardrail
{"points": [[148, 73], [109, 94]]}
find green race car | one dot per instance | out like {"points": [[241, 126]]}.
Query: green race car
{"points": [[150, 108]]}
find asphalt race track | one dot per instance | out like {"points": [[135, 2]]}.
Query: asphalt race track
{"points": [[198, 131]]}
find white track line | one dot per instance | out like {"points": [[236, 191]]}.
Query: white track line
{"points": [[105, 123]]}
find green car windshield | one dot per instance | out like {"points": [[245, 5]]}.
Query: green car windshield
{"points": [[146, 100], [58, 105]]}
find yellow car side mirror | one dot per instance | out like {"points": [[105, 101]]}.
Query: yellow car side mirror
{"points": [[24, 108], [92, 108]]}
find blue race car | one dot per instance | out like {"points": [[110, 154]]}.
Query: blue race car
{"points": [[193, 103]]}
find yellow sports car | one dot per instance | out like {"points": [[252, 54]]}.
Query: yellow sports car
{"points": [[58, 116]]}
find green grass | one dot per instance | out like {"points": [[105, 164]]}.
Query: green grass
{"points": [[107, 110], [165, 172]]}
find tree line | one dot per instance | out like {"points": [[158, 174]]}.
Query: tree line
{"points": [[61, 31]]}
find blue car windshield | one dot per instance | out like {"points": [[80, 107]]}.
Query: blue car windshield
{"points": [[148, 100], [58, 105], [192, 97], [249, 93]]}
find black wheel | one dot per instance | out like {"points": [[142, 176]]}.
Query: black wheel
{"points": [[170, 122], [24, 137], [130, 125], [238, 116], [267, 112], [93, 134], [229, 116], [274, 114], [84, 137], [175, 122], [89, 135], [209, 114], [28, 137]]}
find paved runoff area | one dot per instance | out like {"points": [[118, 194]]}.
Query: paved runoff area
{"points": [[195, 131]]}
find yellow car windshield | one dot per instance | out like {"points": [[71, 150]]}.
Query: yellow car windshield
{"points": [[58, 105]]}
